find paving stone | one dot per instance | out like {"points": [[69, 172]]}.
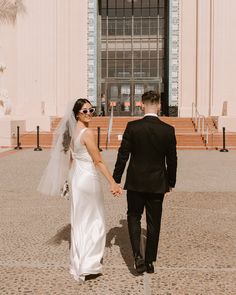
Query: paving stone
{"points": [[197, 254]]}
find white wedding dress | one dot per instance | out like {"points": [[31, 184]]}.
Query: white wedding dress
{"points": [[87, 214]]}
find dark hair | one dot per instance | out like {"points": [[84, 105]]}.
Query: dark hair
{"points": [[151, 97], [78, 106], [66, 139], [66, 135]]}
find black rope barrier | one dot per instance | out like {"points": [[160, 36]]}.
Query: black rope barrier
{"points": [[224, 149], [18, 144], [38, 148]]}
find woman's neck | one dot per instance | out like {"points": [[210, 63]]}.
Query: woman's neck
{"points": [[82, 124]]}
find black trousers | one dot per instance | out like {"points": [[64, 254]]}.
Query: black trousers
{"points": [[152, 203]]}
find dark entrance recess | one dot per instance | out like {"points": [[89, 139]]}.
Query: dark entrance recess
{"points": [[133, 53]]}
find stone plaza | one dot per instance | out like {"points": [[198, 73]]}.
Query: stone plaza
{"points": [[197, 253]]}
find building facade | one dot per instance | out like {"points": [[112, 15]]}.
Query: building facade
{"points": [[60, 50]]}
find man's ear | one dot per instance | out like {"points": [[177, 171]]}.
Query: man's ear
{"points": [[142, 106]]}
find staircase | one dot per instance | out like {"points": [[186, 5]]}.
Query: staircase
{"points": [[185, 134], [187, 137]]}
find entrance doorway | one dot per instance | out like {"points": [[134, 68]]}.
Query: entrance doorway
{"points": [[125, 97], [119, 97], [132, 53]]}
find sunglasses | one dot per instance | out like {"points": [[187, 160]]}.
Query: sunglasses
{"points": [[87, 111]]}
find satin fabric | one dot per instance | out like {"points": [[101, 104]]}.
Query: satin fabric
{"points": [[87, 214]]}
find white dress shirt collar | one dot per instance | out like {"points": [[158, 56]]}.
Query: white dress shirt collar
{"points": [[151, 114]]}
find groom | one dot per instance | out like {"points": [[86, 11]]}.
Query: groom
{"points": [[151, 146]]}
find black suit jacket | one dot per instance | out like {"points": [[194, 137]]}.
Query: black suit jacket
{"points": [[151, 145]]}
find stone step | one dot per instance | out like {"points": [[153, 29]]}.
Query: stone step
{"points": [[186, 136], [121, 122], [115, 140], [188, 140]]}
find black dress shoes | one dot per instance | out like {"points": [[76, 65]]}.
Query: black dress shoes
{"points": [[139, 264], [92, 276], [149, 267]]}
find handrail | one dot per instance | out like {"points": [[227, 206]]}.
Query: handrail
{"points": [[201, 125]]}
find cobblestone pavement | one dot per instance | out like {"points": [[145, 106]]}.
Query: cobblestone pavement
{"points": [[197, 254]]}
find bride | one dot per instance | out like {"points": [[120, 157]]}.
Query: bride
{"points": [[76, 157]]}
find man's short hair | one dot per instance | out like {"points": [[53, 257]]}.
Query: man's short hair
{"points": [[151, 97]]}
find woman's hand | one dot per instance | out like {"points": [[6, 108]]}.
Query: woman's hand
{"points": [[116, 189]]}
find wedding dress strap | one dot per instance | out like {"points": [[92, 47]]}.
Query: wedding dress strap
{"points": [[80, 134], [77, 138], [81, 151]]}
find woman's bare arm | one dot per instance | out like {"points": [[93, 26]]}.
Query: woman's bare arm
{"points": [[88, 139]]}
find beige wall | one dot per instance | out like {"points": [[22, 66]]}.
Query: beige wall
{"points": [[224, 56], [45, 54], [8, 56], [207, 56], [187, 64]]}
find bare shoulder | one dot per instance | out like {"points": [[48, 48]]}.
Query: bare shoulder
{"points": [[89, 131], [88, 134], [90, 142]]}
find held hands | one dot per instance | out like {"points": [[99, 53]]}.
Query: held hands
{"points": [[169, 192], [116, 189]]}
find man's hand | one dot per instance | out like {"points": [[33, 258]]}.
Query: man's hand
{"points": [[116, 189], [169, 192]]}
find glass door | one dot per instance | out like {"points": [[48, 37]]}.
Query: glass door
{"points": [[126, 97], [138, 91], [119, 97]]}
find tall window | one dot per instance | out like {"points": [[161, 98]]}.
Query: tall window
{"points": [[133, 38]]}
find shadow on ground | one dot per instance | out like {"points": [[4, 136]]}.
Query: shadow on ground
{"points": [[120, 235], [62, 234]]}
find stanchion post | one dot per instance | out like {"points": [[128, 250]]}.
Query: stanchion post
{"points": [[99, 134], [224, 149], [18, 144], [38, 148]]}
